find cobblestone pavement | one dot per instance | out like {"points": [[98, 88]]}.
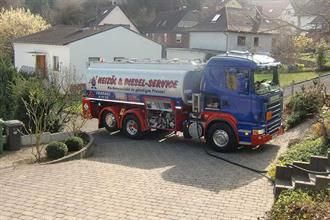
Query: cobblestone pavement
{"points": [[146, 179]]}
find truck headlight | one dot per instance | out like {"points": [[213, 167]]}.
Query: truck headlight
{"points": [[258, 132]]}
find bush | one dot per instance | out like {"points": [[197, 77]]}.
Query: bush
{"points": [[301, 205], [305, 104], [7, 76], [74, 143], [304, 150], [56, 150], [301, 152], [52, 109]]}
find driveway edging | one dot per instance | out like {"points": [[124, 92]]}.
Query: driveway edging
{"points": [[83, 153]]}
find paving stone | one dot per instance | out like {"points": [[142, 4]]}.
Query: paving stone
{"points": [[144, 179]]}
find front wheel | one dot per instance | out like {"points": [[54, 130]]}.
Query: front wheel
{"points": [[132, 127], [222, 138], [109, 121]]}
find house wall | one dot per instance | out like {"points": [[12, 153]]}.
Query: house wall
{"points": [[171, 39], [185, 54], [218, 41], [117, 42], [117, 16], [265, 42], [208, 40], [25, 55]]}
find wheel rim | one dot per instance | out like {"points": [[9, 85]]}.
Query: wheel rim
{"points": [[110, 120], [220, 138], [132, 127]]}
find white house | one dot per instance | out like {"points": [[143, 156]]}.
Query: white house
{"points": [[115, 16], [70, 48], [233, 29]]}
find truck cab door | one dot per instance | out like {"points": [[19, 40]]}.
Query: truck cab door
{"points": [[231, 85]]}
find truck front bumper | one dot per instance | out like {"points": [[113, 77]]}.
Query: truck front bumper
{"points": [[264, 138]]}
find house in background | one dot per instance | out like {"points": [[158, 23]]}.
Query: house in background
{"points": [[72, 48], [233, 29], [171, 28], [114, 16], [301, 13], [217, 5]]}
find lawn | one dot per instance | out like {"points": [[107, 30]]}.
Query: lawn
{"points": [[287, 78]]}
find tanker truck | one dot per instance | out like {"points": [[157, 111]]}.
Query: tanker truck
{"points": [[225, 102]]}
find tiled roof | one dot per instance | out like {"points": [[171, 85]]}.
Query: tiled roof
{"points": [[235, 20], [166, 21], [63, 34]]}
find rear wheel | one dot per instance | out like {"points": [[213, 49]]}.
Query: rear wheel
{"points": [[222, 138], [132, 127], [109, 121]]}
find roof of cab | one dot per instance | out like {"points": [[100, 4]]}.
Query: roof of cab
{"points": [[250, 60]]}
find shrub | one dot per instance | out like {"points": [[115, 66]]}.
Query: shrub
{"points": [[301, 205], [74, 143], [7, 76], [305, 104], [54, 116], [301, 152], [56, 150], [304, 150]]}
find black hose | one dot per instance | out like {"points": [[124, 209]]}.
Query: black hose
{"points": [[307, 171], [260, 172]]}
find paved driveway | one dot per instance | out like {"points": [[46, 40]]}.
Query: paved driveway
{"points": [[147, 179]]}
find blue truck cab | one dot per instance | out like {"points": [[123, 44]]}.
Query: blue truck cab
{"points": [[241, 101]]}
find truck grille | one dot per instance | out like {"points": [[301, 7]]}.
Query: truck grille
{"points": [[274, 124]]}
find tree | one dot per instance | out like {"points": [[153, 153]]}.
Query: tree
{"points": [[11, 3], [302, 43], [69, 12], [16, 23]]}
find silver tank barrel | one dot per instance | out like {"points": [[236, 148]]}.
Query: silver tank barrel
{"points": [[166, 80]]}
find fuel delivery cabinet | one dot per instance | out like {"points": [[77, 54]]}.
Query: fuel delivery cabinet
{"points": [[220, 101]]}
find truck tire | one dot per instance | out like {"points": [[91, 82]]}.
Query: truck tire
{"points": [[109, 121], [221, 138], [132, 127]]}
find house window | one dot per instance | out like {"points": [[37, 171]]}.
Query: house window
{"points": [[215, 18], [56, 63], [241, 41], [153, 36], [256, 42], [147, 34], [165, 37], [94, 59], [178, 38]]}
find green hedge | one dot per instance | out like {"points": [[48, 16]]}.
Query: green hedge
{"points": [[56, 150], [74, 143], [7, 77], [301, 152]]}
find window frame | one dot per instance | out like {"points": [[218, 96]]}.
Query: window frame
{"points": [[241, 40], [56, 63], [256, 41], [178, 38]]}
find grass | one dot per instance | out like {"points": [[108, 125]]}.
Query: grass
{"points": [[287, 78]]}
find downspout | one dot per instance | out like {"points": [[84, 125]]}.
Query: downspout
{"points": [[227, 41]]}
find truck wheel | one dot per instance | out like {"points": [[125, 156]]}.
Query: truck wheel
{"points": [[131, 127], [109, 121], [222, 138]]}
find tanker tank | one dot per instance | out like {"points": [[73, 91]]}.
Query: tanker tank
{"points": [[131, 82]]}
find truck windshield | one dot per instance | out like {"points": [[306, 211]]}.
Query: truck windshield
{"points": [[264, 82]]}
